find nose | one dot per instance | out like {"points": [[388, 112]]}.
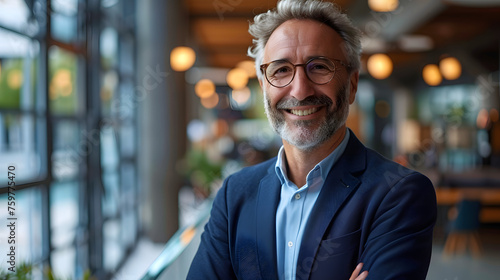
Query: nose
{"points": [[301, 87]]}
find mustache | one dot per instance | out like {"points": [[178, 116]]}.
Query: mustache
{"points": [[309, 101]]}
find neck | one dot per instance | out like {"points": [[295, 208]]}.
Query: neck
{"points": [[300, 162]]}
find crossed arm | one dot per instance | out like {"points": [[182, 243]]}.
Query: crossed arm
{"points": [[397, 246]]}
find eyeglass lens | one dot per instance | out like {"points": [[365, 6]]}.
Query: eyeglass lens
{"points": [[281, 73]]}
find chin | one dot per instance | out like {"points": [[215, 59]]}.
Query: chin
{"points": [[305, 139]]}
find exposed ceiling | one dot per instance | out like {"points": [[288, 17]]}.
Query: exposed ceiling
{"points": [[467, 28], [220, 27]]}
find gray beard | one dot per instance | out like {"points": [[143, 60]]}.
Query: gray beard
{"points": [[307, 138]]}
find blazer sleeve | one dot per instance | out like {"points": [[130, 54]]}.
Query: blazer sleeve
{"points": [[399, 244], [212, 260]]}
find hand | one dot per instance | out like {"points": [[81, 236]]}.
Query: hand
{"points": [[355, 274]]}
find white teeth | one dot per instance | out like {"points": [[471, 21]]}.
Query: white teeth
{"points": [[304, 112]]}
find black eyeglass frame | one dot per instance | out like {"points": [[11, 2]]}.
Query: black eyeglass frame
{"points": [[263, 68]]}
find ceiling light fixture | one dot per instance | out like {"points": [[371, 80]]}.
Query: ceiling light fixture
{"points": [[237, 78], [383, 5], [379, 66], [431, 75], [182, 58], [451, 68], [204, 88], [249, 66]]}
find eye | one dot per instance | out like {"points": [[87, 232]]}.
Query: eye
{"points": [[279, 69], [320, 67], [282, 70]]}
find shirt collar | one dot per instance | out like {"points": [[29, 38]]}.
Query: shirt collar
{"points": [[324, 166]]}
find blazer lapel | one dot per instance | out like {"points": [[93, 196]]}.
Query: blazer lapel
{"points": [[339, 185], [267, 204]]}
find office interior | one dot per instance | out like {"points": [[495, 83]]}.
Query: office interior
{"points": [[119, 120]]}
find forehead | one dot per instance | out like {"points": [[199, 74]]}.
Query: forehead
{"points": [[297, 40]]}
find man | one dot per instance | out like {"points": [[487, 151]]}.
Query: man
{"points": [[326, 206]]}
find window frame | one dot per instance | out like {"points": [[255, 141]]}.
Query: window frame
{"points": [[90, 17]]}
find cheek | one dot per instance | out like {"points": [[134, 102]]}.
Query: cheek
{"points": [[340, 88], [333, 90], [273, 95], [332, 93]]}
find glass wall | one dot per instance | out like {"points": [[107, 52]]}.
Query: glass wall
{"points": [[66, 67]]}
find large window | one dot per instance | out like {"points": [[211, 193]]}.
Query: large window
{"points": [[66, 69]]}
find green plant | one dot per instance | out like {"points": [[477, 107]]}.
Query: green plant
{"points": [[24, 272], [50, 275], [457, 114], [200, 170]]}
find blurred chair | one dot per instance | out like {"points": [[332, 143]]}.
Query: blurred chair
{"points": [[463, 230]]}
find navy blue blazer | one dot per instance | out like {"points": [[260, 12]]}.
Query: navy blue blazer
{"points": [[370, 210]]}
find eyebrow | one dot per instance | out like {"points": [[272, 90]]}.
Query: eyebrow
{"points": [[306, 60], [316, 56]]}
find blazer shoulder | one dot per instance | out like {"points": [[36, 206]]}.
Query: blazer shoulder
{"points": [[254, 172], [380, 166]]}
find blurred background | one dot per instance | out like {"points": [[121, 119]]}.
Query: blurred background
{"points": [[122, 118]]}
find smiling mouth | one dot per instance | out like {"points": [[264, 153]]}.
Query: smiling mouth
{"points": [[303, 112]]}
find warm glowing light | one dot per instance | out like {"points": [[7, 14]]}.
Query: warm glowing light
{"points": [[383, 5], [431, 75], [211, 101], [249, 67], [408, 136], [494, 116], [450, 68], [204, 88], [61, 84], [241, 96], [182, 58], [15, 79], [482, 118], [237, 78], [379, 66]]}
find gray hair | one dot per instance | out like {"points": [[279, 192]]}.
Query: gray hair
{"points": [[325, 12]]}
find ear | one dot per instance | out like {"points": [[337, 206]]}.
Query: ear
{"points": [[354, 79]]}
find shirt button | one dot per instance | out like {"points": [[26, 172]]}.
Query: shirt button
{"points": [[290, 243], [297, 196]]}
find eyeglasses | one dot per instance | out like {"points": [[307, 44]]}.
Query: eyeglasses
{"points": [[319, 70]]}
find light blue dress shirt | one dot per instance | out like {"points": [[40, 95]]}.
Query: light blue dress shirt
{"points": [[295, 206]]}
